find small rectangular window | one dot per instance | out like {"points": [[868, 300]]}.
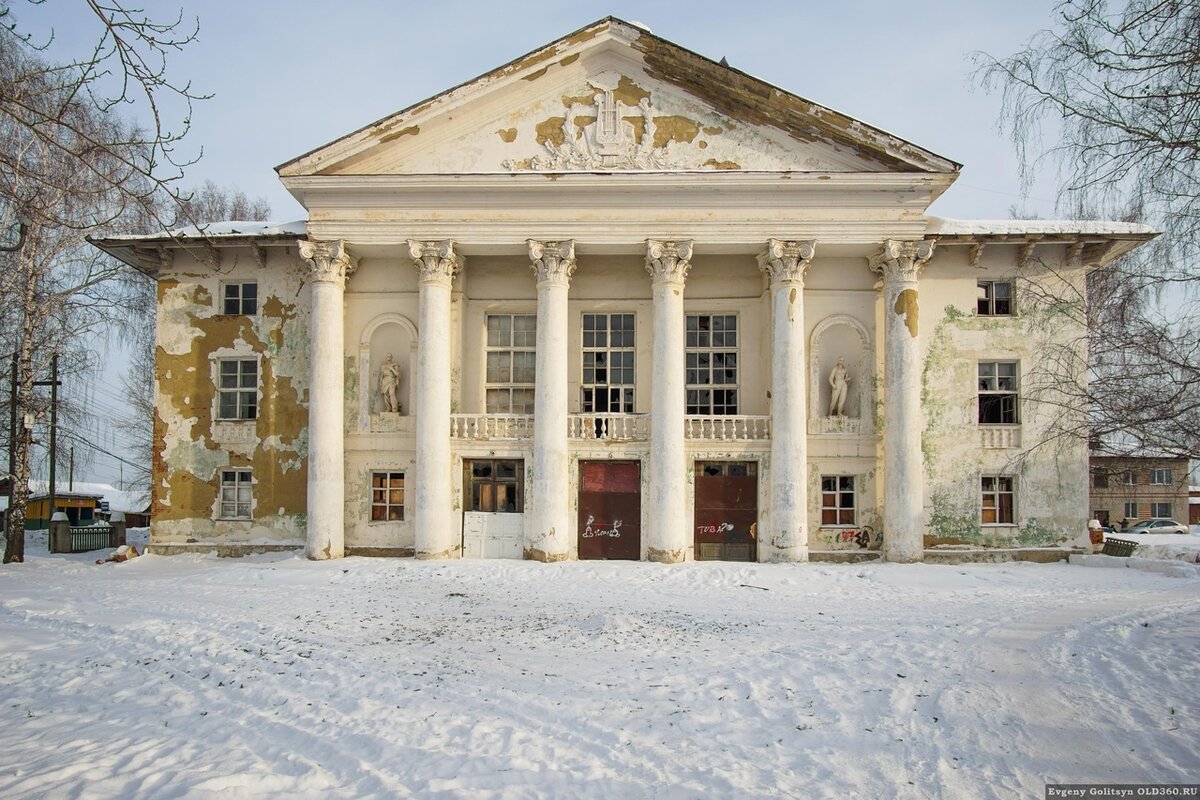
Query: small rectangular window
{"points": [[995, 299], [998, 495], [494, 485], [236, 494], [1131, 510], [237, 390], [1161, 510], [1099, 480], [997, 392], [837, 501], [1160, 477], [387, 496], [1131, 478], [239, 298]]}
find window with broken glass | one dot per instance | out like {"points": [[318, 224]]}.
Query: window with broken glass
{"points": [[387, 496], [998, 392], [712, 370], [511, 363], [997, 501], [608, 363], [494, 485], [995, 299], [837, 500]]}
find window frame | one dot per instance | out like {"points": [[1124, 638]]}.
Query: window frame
{"points": [[1161, 476], [242, 478], [625, 392], [1157, 506], [1100, 479], [996, 493], [241, 392], [694, 352], [839, 494], [1131, 477], [985, 306], [1135, 506], [240, 299], [382, 496], [497, 388], [990, 396], [473, 500]]}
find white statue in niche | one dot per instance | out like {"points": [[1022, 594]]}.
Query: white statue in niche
{"points": [[389, 384], [839, 383]]}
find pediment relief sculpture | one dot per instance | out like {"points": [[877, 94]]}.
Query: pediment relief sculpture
{"points": [[603, 133]]}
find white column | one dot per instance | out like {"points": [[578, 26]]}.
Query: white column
{"points": [[437, 535], [329, 265], [669, 528], [900, 264], [786, 538], [548, 513]]}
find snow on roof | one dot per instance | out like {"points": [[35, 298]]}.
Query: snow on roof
{"points": [[1031, 227], [230, 228], [121, 500]]}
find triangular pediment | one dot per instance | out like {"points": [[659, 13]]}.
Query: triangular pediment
{"points": [[613, 97]]}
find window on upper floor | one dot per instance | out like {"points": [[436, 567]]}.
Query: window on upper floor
{"points": [[609, 354], [387, 496], [995, 299], [1131, 478], [237, 389], [838, 506], [998, 392], [237, 495], [712, 368], [1100, 480], [998, 495], [1160, 477], [511, 363], [240, 297]]}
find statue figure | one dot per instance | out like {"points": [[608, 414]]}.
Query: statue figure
{"points": [[389, 384], [839, 382]]}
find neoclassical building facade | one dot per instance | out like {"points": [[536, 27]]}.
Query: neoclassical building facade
{"points": [[616, 300]]}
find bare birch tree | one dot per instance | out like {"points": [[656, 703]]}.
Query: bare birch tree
{"points": [[1108, 98]]}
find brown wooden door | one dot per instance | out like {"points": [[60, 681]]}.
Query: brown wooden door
{"points": [[610, 510], [726, 511]]}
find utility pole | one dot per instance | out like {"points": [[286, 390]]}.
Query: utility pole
{"points": [[53, 383]]}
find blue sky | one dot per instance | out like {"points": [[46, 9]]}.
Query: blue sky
{"points": [[289, 76]]}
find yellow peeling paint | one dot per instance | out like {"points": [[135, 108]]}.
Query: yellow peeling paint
{"points": [[412, 130], [712, 162], [568, 60], [906, 304], [792, 305], [628, 92], [550, 130], [714, 131], [507, 134], [533, 76], [674, 128]]}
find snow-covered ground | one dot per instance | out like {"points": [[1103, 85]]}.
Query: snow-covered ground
{"points": [[193, 676]]}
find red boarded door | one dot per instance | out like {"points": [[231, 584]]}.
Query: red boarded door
{"points": [[610, 510], [726, 511]]}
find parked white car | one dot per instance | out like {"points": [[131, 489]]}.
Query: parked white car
{"points": [[1157, 525]]}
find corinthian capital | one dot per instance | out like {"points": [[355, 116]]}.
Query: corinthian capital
{"points": [[328, 262], [552, 261], [786, 262], [436, 262], [668, 261], [901, 261]]}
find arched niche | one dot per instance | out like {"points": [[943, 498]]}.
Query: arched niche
{"points": [[388, 333], [841, 336]]}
